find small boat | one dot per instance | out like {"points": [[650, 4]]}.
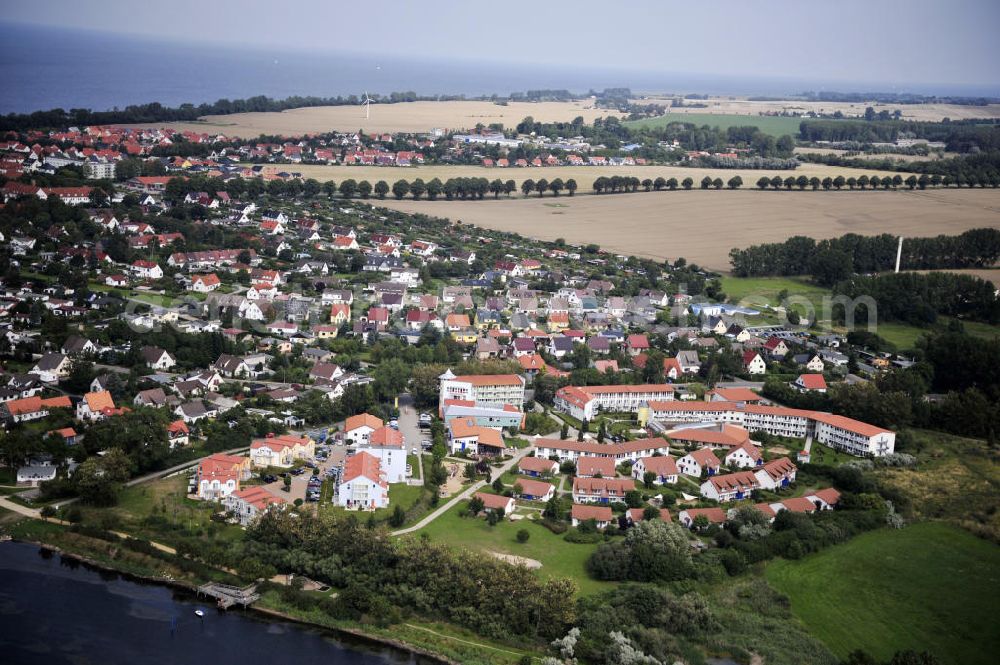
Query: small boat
{"points": [[199, 613]]}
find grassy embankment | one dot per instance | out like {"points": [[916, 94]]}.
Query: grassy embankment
{"points": [[929, 586]]}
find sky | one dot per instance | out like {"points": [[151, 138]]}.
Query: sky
{"points": [[893, 43]]}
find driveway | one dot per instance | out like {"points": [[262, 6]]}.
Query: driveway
{"points": [[409, 426]]}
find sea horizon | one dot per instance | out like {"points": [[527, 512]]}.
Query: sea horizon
{"points": [[45, 68]]}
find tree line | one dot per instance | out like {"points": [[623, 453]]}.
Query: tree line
{"points": [[801, 255], [919, 299], [959, 136], [969, 170]]}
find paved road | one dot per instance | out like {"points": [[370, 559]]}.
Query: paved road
{"points": [[465, 494], [409, 426]]}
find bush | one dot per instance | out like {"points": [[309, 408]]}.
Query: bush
{"points": [[523, 535], [583, 537]]}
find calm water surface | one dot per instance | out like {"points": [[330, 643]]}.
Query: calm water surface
{"points": [[55, 611]]}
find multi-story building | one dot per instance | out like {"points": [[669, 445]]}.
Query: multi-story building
{"points": [[487, 390], [584, 402], [839, 432]]}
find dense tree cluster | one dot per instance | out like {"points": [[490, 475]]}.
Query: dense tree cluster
{"points": [[959, 136], [801, 255], [380, 576], [919, 299]]}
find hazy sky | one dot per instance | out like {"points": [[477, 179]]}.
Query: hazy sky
{"points": [[881, 41]]}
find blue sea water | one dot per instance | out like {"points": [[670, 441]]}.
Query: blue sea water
{"points": [[43, 68]]}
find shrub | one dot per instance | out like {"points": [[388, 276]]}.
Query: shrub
{"points": [[523, 535]]}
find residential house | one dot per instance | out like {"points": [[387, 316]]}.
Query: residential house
{"points": [[663, 467], [496, 503], [601, 490], [601, 515], [363, 485], [281, 450], [698, 461], [358, 429], [246, 504], [538, 467], [534, 490], [157, 358]]}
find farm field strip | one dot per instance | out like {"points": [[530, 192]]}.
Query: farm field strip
{"points": [[415, 117], [702, 226]]}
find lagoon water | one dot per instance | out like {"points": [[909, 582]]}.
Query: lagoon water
{"points": [[54, 611]]}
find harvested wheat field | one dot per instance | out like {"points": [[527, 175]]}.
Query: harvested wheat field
{"points": [[584, 175], [402, 117], [702, 226], [738, 106]]}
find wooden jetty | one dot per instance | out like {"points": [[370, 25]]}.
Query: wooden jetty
{"points": [[227, 595]]}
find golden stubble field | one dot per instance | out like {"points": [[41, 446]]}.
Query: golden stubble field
{"points": [[584, 175], [403, 117], [742, 106], [702, 226]]}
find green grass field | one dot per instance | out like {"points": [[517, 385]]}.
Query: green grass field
{"points": [[927, 587], [773, 125], [558, 558], [905, 336]]}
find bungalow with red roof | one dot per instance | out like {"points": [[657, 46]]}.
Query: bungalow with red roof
{"points": [[810, 383], [205, 283], [601, 515], [663, 468], [533, 490], [689, 517], [636, 344], [538, 466], [466, 435], [496, 503]]}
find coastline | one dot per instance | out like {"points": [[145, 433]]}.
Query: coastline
{"points": [[267, 613]]}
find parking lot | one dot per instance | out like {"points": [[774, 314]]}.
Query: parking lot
{"points": [[300, 481]]}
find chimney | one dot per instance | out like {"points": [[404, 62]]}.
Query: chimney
{"points": [[899, 252]]}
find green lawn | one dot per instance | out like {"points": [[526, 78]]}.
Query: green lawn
{"points": [[760, 291], [558, 558], [773, 125], [415, 465], [905, 336], [927, 587], [176, 517]]}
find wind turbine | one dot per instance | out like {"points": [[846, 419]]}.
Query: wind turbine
{"points": [[367, 103]]}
